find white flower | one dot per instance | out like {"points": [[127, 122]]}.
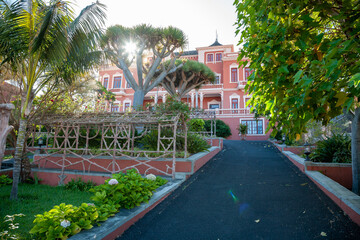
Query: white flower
{"points": [[65, 223], [151, 177], [91, 204], [113, 181]]}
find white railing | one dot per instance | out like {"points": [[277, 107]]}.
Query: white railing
{"points": [[232, 112]]}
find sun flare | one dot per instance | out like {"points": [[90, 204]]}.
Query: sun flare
{"points": [[130, 48]]}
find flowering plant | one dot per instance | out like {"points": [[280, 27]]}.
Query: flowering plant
{"points": [[65, 223], [113, 181], [151, 177]]}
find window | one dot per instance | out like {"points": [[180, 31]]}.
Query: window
{"points": [[210, 57], [126, 107], [127, 84], [114, 108], [246, 100], [217, 79], [218, 57], [105, 82], [214, 106], [248, 72], [117, 82], [234, 104], [254, 126], [234, 75]]}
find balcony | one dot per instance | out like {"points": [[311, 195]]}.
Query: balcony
{"points": [[241, 84], [231, 112]]}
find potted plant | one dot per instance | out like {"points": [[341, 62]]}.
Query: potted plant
{"points": [[242, 131]]}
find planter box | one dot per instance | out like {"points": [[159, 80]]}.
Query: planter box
{"points": [[49, 168], [323, 175], [339, 172]]}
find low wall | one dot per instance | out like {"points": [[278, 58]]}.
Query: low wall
{"points": [[8, 172], [339, 172], [49, 172], [322, 174]]}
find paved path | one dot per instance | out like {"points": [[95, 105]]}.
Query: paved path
{"points": [[247, 191]]}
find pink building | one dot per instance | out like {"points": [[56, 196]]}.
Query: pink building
{"points": [[226, 96]]}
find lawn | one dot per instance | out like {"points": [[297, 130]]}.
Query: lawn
{"points": [[35, 199]]}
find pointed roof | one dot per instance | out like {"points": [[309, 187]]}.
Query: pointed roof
{"points": [[216, 43]]}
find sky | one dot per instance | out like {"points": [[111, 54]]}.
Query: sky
{"points": [[198, 19]]}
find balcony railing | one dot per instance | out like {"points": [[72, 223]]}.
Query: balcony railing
{"points": [[230, 112]]}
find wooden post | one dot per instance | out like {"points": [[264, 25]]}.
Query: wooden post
{"points": [[5, 110]]}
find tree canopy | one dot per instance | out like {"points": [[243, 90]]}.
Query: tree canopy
{"points": [[42, 42], [191, 75], [146, 42], [305, 57]]}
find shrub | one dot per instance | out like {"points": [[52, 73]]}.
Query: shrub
{"points": [[196, 125], [64, 220], [336, 149], [125, 190], [196, 143], [11, 226], [5, 180], [80, 185], [242, 129], [222, 129]]}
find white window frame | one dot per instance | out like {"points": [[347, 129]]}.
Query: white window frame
{"points": [[103, 78], [247, 66], [234, 96], [115, 103], [124, 103], [253, 119], [246, 97], [207, 57], [118, 75], [219, 75], [221, 56], [231, 67], [214, 102]]}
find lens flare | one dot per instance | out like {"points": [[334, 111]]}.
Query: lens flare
{"points": [[243, 207], [233, 196]]}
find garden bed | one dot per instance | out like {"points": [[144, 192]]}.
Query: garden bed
{"points": [[35, 199], [117, 224], [49, 172]]}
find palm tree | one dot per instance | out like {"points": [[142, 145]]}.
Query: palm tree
{"points": [[42, 42]]}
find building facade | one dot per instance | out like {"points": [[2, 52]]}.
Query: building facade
{"points": [[226, 95]]}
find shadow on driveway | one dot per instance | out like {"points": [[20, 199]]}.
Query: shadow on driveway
{"points": [[247, 191]]}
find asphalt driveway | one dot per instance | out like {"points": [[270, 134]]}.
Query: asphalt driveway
{"points": [[247, 191]]}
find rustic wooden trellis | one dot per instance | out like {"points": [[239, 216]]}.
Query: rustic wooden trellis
{"points": [[206, 115], [68, 137]]}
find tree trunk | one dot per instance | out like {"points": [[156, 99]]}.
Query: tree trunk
{"points": [[18, 156], [138, 99], [5, 129], [355, 151]]}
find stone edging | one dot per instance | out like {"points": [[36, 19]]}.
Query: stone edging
{"points": [[348, 201]]}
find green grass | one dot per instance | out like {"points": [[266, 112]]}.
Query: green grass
{"points": [[35, 199]]}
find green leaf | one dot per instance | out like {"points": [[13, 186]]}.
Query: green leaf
{"points": [[297, 76], [283, 69], [342, 97], [355, 80]]}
